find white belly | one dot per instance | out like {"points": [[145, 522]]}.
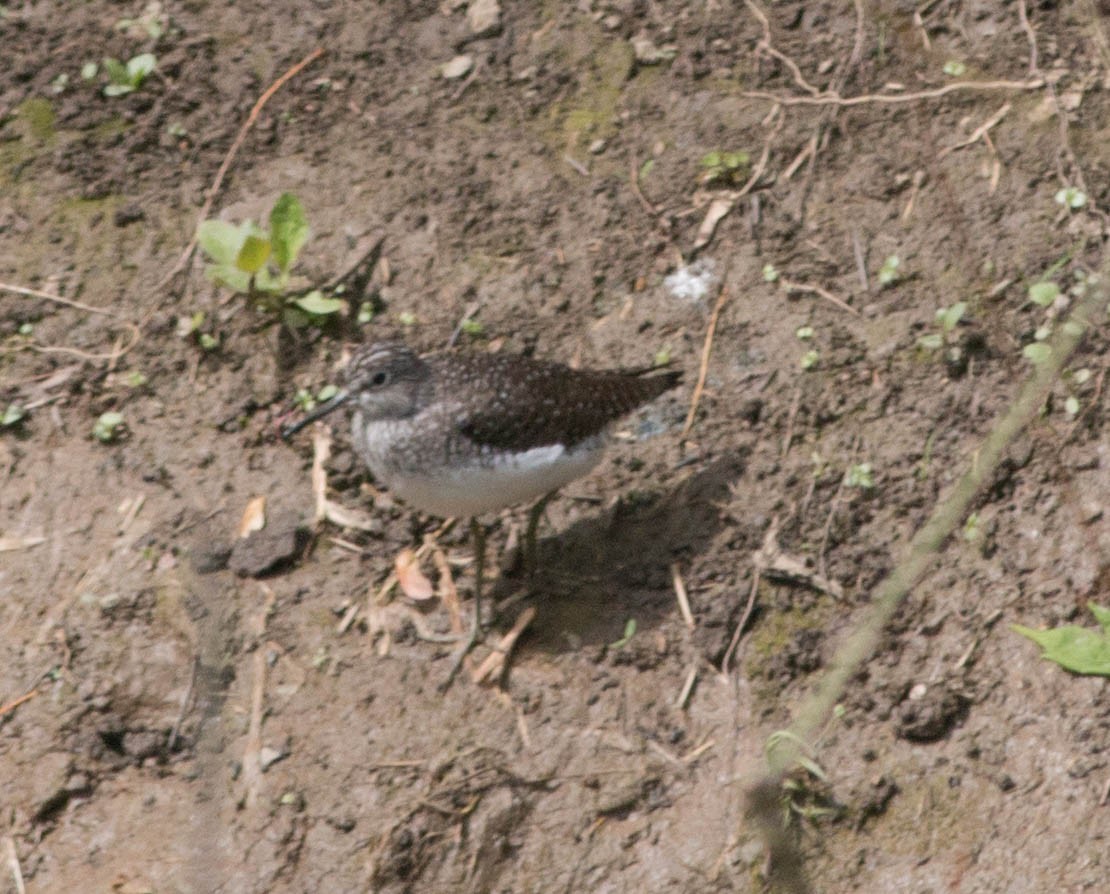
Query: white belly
{"points": [[506, 481]]}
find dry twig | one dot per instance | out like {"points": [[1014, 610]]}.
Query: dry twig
{"points": [[703, 370], [225, 165]]}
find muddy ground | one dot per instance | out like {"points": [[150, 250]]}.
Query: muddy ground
{"points": [[198, 721]]}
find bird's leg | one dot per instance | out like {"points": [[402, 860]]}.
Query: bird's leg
{"points": [[478, 539], [530, 534]]}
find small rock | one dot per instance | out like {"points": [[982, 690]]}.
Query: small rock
{"points": [[268, 756], [597, 147], [458, 67], [266, 551], [483, 17]]}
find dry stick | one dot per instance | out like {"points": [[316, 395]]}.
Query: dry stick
{"points": [[980, 132], [16, 702], [861, 643], [782, 57], [57, 299], [1030, 35], [835, 99], [252, 753], [703, 371], [792, 286], [231, 153], [13, 864]]}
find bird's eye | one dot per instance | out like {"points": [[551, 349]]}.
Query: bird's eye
{"points": [[379, 378]]}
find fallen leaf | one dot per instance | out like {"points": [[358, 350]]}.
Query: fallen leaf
{"points": [[413, 582], [254, 518]]}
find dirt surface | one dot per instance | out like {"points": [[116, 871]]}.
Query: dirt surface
{"points": [[199, 721]]}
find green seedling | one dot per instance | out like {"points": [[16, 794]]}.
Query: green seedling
{"points": [[240, 254], [888, 273], [804, 333], [947, 318], [1071, 197], [471, 327], [12, 415], [770, 273], [108, 427], [954, 68], [1078, 649], [123, 79], [307, 401], [859, 476], [809, 359], [1044, 293], [259, 262], [89, 70], [629, 632], [406, 318], [365, 312], [136, 379], [724, 168]]}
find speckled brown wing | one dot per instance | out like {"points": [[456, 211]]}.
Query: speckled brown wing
{"points": [[530, 403]]}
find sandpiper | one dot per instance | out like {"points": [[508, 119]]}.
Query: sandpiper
{"points": [[457, 435]]}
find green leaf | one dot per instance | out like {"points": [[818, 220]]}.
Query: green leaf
{"points": [[230, 276], [1043, 293], [220, 240], [106, 426], [950, 317], [12, 415], [1036, 352], [1078, 649], [253, 253], [288, 230], [138, 67], [117, 72], [711, 160], [317, 304], [931, 342], [629, 632]]}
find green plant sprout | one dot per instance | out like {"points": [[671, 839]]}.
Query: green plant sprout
{"points": [[724, 168], [1071, 197], [888, 273], [108, 427], [626, 638], [127, 78], [859, 476], [947, 318], [258, 262], [770, 273], [809, 359], [12, 415]]}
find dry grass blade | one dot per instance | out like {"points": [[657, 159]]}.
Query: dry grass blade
{"points": [[703, 370], [494, 664], [11, 544], [13, 864]]}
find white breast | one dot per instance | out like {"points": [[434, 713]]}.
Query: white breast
{"points": [[507, 480]]}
